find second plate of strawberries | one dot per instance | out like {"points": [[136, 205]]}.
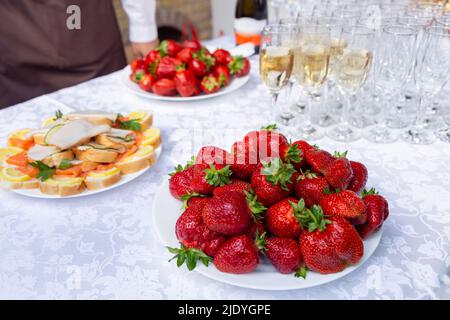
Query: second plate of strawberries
{"points": [[185, 71], [270, 214]]}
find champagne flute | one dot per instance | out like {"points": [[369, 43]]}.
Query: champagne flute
{"points": [[352, 70], [396, 52], [431, 73], [312, 57], [275, 64]]}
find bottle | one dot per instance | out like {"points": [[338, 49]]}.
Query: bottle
{"points": [[250, 20]]}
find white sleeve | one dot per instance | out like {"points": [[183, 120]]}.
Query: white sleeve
{"points": [[141, 17]]}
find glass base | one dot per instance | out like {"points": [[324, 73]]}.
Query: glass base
{"points": [[344, 133], [361, 121], [286, 119], [398, 123], [380, 134], [300, 107], [308, 133], [444, 135], [417, 135], [325, 120]]}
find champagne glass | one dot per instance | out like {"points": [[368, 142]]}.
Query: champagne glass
{"points": [[396, 52], [431, 73], [275, 64], [312, 57], [351, 73]]}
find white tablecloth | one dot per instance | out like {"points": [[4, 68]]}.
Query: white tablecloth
{"points": [[104, 246]]}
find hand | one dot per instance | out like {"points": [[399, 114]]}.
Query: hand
{"points": [[140, 49]]}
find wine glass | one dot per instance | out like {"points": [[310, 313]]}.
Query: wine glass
{"points": [[351, 73], [275, 64], [311, 58], [431, 73], [396, 52]]}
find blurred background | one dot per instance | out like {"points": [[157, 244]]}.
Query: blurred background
{"points": [[210, 18]]}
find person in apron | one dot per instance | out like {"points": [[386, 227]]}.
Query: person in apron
{"points": [[40, 51]]}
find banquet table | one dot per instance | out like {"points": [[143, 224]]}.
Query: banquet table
{"points": [[104, 246]]}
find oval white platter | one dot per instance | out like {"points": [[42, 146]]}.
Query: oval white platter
{"points": [[35, 193], [124, 79], [166, 211]]}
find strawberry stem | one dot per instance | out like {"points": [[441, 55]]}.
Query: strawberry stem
{"points": [[217, 177], [255, 206], [190, 256], [277, 172]]}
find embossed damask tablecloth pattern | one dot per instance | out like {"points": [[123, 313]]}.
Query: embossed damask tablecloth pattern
{"points": [[104, 246]]}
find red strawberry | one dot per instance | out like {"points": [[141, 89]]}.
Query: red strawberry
{"points": [[169, 48], [318, 159], [360, 176], [207, 177], [222, 56], [239, 66], [223, 74], [210, 84], [235, 186], [186, 83], [303, 146], [283, 253], [237, 255], [211, 154], [311, 188], [281, 219], [198, 67], [273, 181], [329, 245], [377, 210], [146, 82], [192, 232], [180, 180], [338, 172], [168, 67], [185, 55], [256, 228], [152, 57], [345, 204], [244, 161], [193, 44], [164, 87], [228, 215], [137, 75], [137, 64]]}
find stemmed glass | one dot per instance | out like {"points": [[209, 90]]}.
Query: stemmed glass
{"points": [[396, 52], [351, 73], [312, 58], [275, 64], [431, 73]]}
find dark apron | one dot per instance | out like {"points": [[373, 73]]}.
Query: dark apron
{"points": [[39, 54]]}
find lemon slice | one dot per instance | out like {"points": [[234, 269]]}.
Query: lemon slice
{"points": [[51, 132], [151, 137], [142, 152], [48, 121], [20, 134], [13, 175], [64, 181], [137, 115], [103, 174], [5, 153]]}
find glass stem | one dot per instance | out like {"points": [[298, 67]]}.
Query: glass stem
{"points": [[274, 99], [308, 122], [422, 108], [346, 109]]}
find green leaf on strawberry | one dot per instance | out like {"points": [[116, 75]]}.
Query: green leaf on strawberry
{"points": [[190, 256], [260, 242], [338, 154], [369, 192], [278, 173], [314, 219], [256, 207], [186, 197], [218, 177], [236, 65], [270, 127], [301, 272], [180, 168], [294, 154]]}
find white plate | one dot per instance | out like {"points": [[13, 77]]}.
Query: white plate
{"points": [[166, 211], [124, 78], [35, 193]]}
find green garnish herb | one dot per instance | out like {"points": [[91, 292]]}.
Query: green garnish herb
{"points": [[64, 164], [58, 115], [45, 171]]}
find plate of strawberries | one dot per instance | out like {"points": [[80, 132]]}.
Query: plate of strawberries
{"points": [[270, 214], [186, 71]]}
